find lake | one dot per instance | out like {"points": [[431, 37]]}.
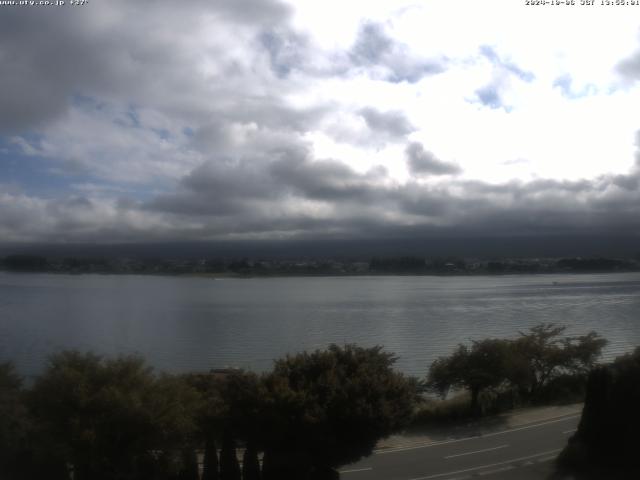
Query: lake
{"points": [[190, 323]]}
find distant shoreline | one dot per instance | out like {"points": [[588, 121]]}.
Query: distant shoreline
{"points": [[230, 275], [316, 267]]}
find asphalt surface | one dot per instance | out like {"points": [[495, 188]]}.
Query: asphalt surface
{"points": [[524, 452]]}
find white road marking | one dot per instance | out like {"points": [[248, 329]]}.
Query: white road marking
{"points": [[356, 470], [566, 432], [446, 442], [439, 475], [546, 459], [477, 451], [497, 470]]}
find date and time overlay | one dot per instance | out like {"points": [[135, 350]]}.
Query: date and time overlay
{"points": [[558, 3], [43, 3]]}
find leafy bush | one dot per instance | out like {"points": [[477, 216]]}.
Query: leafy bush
{"points": [[330, 407], [606, 438], [439, 412], [539, 365]]}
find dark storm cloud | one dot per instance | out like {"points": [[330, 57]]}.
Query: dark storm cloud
{"points": [[39, 74], [253, 185], [392, 123], [542, 206], [423, 162], [540, 189], [249, 11], [297, 196], [426, 202], [233, 186], [371, 45], [49, 55], [328, 180], [287, 50], [537, 208], [233, 199], [518, 208], [216, 189], [628, 182], [375, 49]]}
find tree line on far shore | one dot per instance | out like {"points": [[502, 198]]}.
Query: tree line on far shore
{"points": [[389, 265], [115, 418]]}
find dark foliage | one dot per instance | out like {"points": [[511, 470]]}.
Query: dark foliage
{"points": [[329, 408], [607, 434], [210, 467], [398, 264], [104, 416], [536, 366], [189, 465], [250, 463], [108, 419], [594, 264], [229, 466], [14, 423], [477, 368], [25, 263]]}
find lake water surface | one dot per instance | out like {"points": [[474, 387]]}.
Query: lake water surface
{"points": [[182, 323]]}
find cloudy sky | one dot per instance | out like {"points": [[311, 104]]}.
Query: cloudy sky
{"points": [[138, 121]]}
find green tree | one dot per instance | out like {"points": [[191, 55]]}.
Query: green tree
{"points": [[243, 402], [12, 411], [330, 407], [23, 454], [544, 353], [210, 415], [250, 463], [106, 416], [605, 444], [229, 466], [210, 467], [14, 424], [233, 402], [189, 465], [25, 263], [481, 367], [528, 362]]}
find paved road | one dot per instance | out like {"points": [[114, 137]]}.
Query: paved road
{"points": [[524, 452]]}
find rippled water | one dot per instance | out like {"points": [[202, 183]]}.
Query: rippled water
{"points": [[181, 323]]}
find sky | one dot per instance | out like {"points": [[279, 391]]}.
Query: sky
{"points": [[242, 120]]}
